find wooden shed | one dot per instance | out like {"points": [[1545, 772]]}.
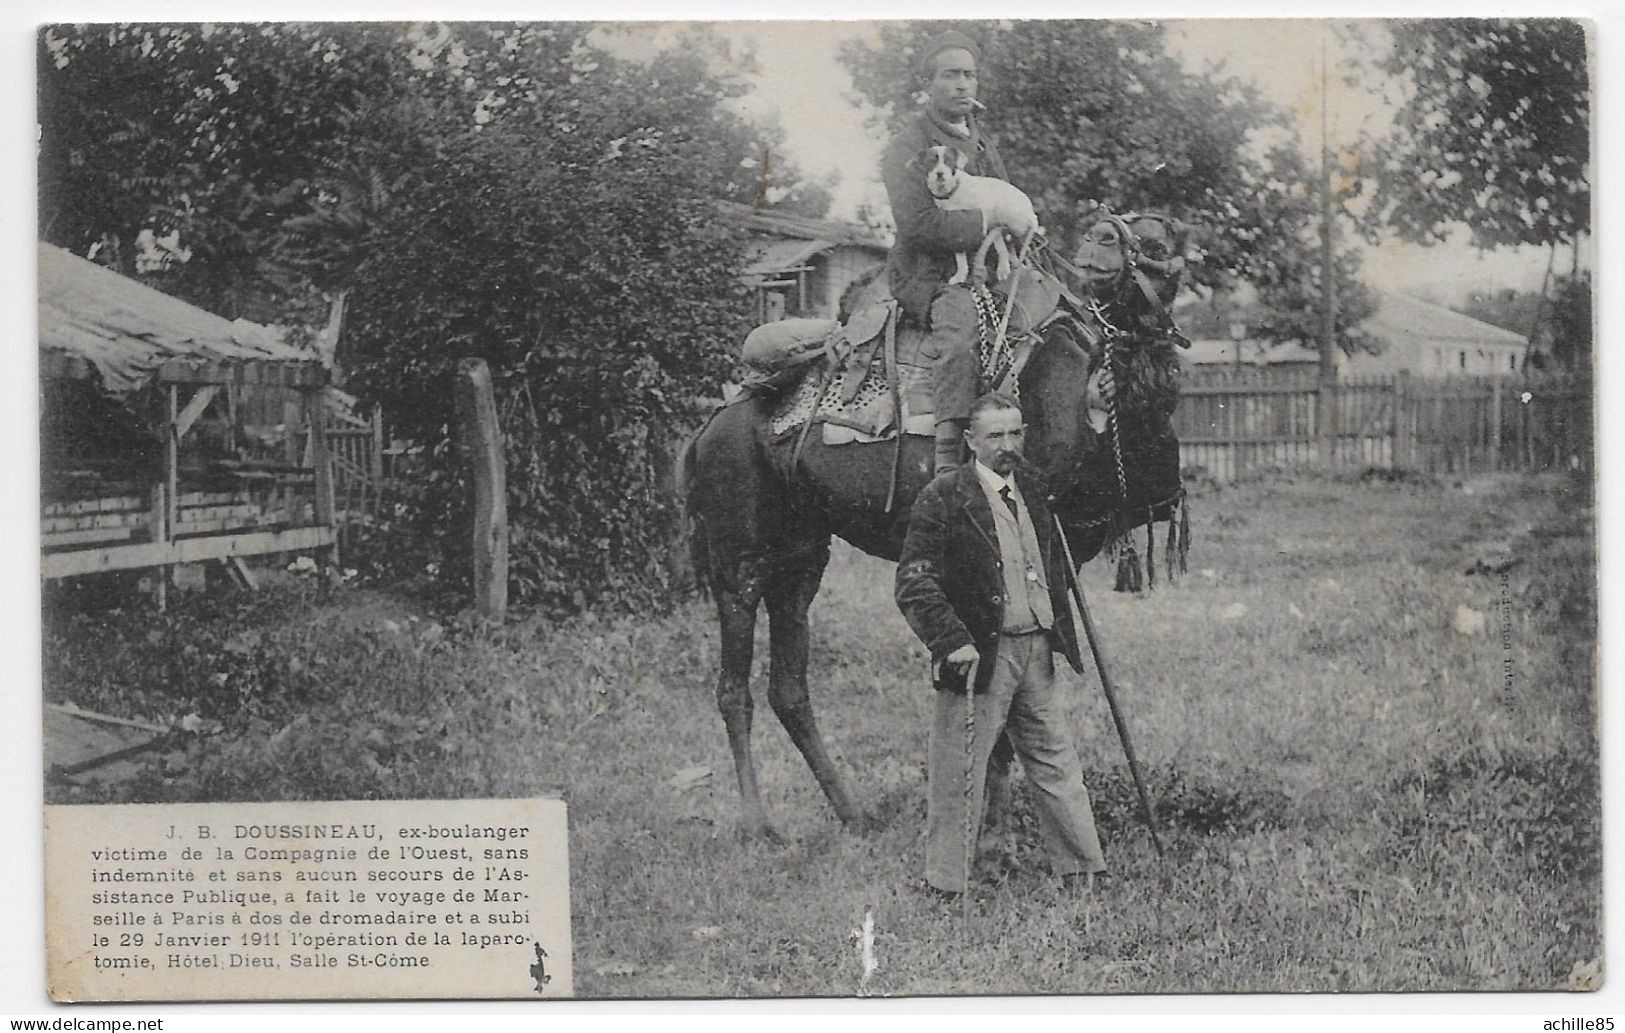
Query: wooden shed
{"points": [[799, 266], [144, 462]]}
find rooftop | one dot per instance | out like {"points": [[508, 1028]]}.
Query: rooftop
{"points": [[785, 224], [94, 321]]}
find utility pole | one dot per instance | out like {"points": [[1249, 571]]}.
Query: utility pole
{"points": [[1327, 400]]}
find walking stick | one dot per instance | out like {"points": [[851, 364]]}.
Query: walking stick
{"points": [[972, 819], [1106, 687]]}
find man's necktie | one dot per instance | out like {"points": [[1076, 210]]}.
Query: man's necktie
{"points": [[1009, 499]]}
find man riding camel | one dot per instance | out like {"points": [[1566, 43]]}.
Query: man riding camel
{"points": [[922, 260]]}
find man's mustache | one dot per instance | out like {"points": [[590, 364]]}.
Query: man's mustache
{"points": [[1019, 463]]}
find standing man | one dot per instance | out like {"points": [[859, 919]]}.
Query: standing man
{"points": [[982, 578], [922, 260]]}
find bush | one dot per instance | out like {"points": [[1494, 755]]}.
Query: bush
{"points": [[578, 254]]}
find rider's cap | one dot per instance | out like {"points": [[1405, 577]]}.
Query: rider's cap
{"points": [[951, 39]]}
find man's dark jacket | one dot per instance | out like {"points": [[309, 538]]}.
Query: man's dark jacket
{"points": [[922, 260], [950, 583]]}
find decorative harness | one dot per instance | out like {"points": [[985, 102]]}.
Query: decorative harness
{"points": [[1120, 543]]}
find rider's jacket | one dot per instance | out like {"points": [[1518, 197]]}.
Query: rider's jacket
{"points": [[922, 261]]}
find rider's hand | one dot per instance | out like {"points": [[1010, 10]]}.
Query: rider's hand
{"points": [[962, 657]]}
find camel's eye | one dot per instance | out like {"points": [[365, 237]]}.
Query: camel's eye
{"points": [[1104, 233]]}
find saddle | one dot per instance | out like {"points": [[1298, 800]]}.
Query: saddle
{"points": [[872, 378]]}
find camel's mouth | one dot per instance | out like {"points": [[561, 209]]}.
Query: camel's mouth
{"points": [[1099, 263]]}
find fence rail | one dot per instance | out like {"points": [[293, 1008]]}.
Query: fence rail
{"points": [[1230, 421]]}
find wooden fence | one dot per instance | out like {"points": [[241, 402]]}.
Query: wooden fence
{"points": [[1232, 421], [357, 450]]}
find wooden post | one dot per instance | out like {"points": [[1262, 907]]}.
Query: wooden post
{"points": [[373, 504], [1328, 283], [1441, 448], [290, 454], [1326, 422], [159, 534], [1402, 454], [480, 440], [375, 468], [167, 501], [321, 462], [1495, 424], [1524, 462]]}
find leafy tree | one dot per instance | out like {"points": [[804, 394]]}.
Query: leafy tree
{"points": [[1493, 130], [517, 193], [1505, 308], [600, 292], [1570, 322], [182, 133], [1095, 110]]}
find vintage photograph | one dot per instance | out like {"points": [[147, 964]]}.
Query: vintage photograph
{"points": [[950, 507]]}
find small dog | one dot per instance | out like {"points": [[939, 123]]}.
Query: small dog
{"points": [[957, 190]]}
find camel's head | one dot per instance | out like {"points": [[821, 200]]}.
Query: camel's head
{"points": [[1112, 248], [1158, 251]]}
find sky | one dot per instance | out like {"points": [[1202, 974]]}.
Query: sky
{"points": [[804, 87]]}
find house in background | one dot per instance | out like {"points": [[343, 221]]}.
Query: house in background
{"points": [[799, 266], [1422, 339], [1425, 339]]}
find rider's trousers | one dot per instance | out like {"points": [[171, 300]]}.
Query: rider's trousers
{"points": [[952, 349]]}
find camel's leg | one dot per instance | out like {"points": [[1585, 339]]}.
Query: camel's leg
{"points": [[788, 599], [737, 610]]}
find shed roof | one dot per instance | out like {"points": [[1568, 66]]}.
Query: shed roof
{"points": [[93, 320], [776, 256], [786, 224]]}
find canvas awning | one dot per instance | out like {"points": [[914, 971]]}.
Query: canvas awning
{"points": [[93, 321]]}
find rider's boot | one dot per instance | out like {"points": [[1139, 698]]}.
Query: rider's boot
{"points": [[955, 375]]}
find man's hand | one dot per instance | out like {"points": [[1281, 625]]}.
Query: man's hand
{"points": [[961, 658]]}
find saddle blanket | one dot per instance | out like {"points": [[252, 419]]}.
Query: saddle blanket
{"points": [[868, 417]]}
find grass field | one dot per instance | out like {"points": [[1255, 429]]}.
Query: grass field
{"points": [[1360, 788]]}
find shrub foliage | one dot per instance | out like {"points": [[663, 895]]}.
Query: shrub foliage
{"points": [[517, 193]]}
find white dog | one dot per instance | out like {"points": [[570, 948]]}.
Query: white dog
{"points": [[957, 190]]}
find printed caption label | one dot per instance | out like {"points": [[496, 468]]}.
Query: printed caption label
{"points": [[352, 899]]}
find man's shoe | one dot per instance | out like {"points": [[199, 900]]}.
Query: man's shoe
{"points": [[1084, 882]]}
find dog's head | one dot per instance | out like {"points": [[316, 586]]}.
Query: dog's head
{"points": [[941, 165]]}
